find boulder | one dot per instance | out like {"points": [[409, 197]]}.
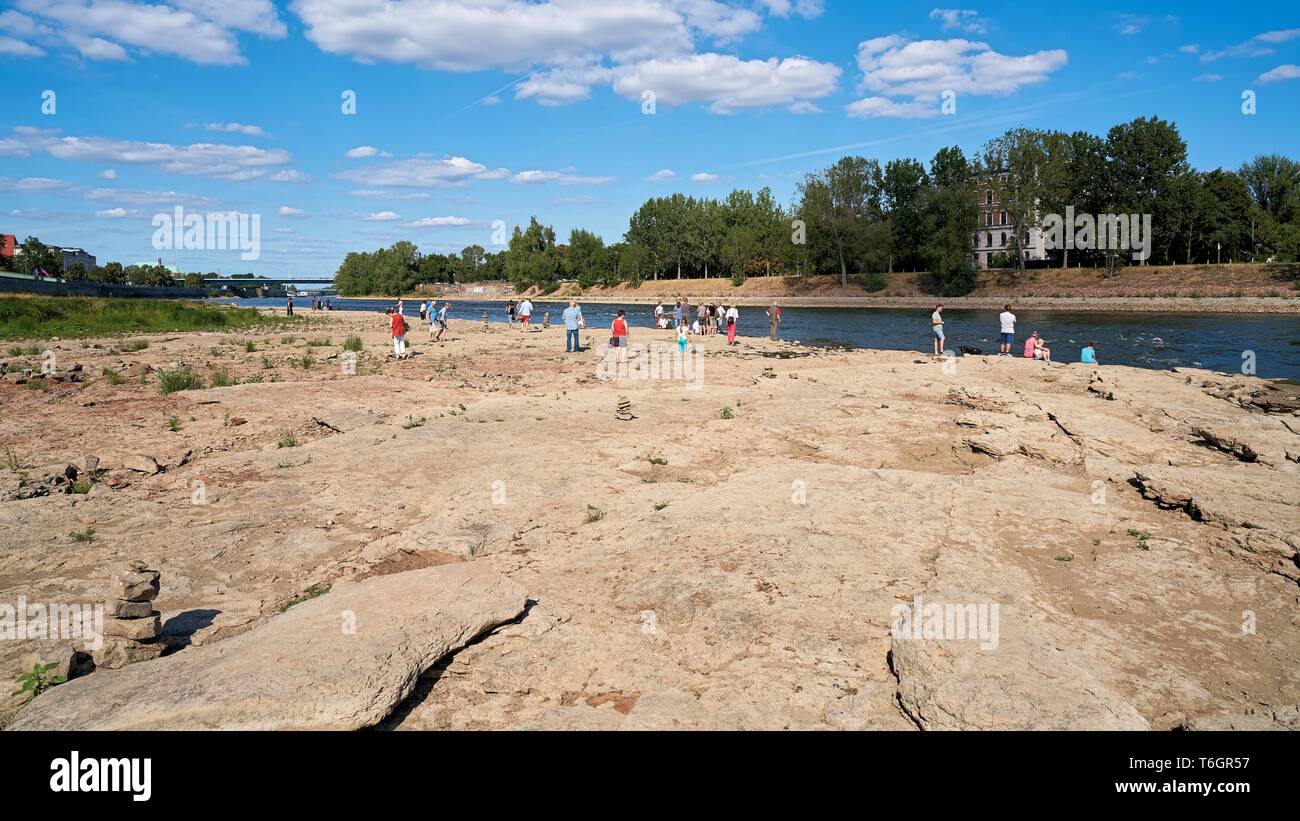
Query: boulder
{"points": [[115, 653], [135, 585], [145, 629], [118, 609], [341, 661]]}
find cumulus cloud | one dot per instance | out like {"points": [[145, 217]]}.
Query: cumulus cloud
{"points": [[286, 211], [290, 175], [561, 177], [112, 212], [382, 216], [896, 66], [108, 174], [415, 173], [1283, 72], [568, 47], [661, 175], [232, 162], [363, 151], [201, 31], [704, 177], [876, 107]]}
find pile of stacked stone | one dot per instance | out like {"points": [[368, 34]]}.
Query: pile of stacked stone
{"points": [[624, 412], [132, 628]]}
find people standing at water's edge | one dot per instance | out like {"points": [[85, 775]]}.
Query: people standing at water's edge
{"points": [[1088, 356], [440, 320], [525, 313], [936, 324], [1007, 322], [619, 336], [774, 319], [288, 307], [424, 312], [510, 312], [733, 320], [398, 324], [572, 322]]}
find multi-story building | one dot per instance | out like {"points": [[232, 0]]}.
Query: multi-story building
{"points": [[995, 233], [8, 246], [72, 256]]}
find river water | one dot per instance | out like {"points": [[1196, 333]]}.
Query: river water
{"points": [[1216, 341]]}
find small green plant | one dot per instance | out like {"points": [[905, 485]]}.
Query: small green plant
{"points": [[307, 595], [15, 350], [255, 379], [655, 460], [1064, 558], [135, 345], [307, 362], [661, 505], [727, 414], [288, 440], [1141, 537], [81, 486], [353, 343], [33, 350], [37, 681], [319, 343], [266, 364], [11, 460], [225, 420], [221, 379], [87, 535], [594, 514], [249, 346], [112, 377], [412, 423], [178, 379], [287, 340], [37, 385], [174, 424]]}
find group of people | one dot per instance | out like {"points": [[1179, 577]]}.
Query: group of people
{"points": [[1035, 345], [429, 311], [521, 313], [707, 319]]}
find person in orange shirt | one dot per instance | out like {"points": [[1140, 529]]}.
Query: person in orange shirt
{"points": [[399, 334]]}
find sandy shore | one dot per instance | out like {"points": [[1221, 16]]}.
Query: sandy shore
{"points": [[731, 557]]}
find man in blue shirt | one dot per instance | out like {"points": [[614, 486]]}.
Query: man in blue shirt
{"points": [[572, 322]]}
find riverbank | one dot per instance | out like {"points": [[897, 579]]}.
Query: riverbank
{"points": [[731, 556]]}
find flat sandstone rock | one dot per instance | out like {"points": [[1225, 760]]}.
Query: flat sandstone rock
{"points": [[303, 669]]}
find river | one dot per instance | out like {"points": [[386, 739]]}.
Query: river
{"points": [[1219, 342]]}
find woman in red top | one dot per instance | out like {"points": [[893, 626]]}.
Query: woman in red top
{"points": [[399, 334], [619, 332]]}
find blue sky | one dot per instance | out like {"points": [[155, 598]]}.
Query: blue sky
{"points": [[474, 111]]}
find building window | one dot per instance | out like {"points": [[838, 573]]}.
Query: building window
{"points": [[988, 219], [1004, 238], [988, 240], [1004, 217], [988, 196]]}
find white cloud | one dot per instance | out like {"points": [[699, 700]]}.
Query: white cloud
{"points": [[1255, 46], [727, 83], [290, 175], [415, 173], [439, 222], [494, 174], [490, 100], [962, 19], [1284, 72], [805, 107], [895, 66], [1130, 24], [286, 211], [236, 128], [201, 31], [1190, 48], [131, 196], [363, 151], [382, 216], [561, 177], [661, 175], [704, 177], [389, 195], [570, 46], [232, 162], [13, 47], [583, 200], [875, 107], [108, 174], [1208, 78], [112, 212]]}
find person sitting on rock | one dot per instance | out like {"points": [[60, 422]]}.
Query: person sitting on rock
{"points": [[1088, 356]]}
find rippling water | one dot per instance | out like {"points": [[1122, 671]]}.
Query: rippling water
{"points": [[1219, 342]]}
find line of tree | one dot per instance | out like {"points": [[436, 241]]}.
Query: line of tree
{"points": [[36, 254], [860, 219]]}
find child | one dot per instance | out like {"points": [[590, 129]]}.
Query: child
{"points": [[399, 334], [1088, 355], [681, 337]]}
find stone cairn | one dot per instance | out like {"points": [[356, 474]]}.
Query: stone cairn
{"points": [[485, 321], [624, 412], [132, 628], [546, 320]]}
